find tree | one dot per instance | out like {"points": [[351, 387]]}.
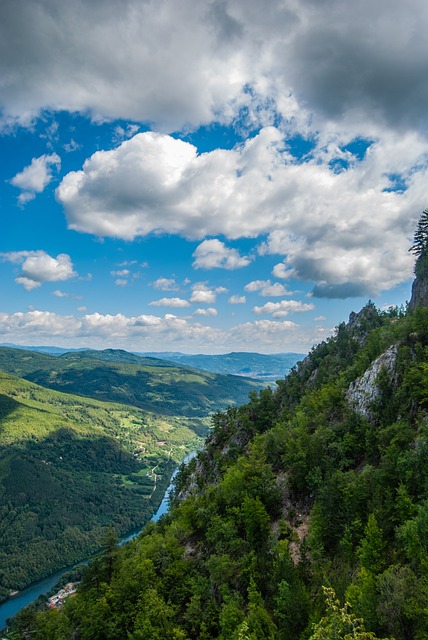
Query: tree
{"points": [[339, 623], [420, 245], [420, 240]]}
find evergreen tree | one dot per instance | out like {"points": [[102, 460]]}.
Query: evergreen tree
{"points": [[420, 240], [420, 245]]}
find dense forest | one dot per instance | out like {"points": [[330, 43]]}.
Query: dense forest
{"points": [[118, 376], [71, 466], [304, 517]]}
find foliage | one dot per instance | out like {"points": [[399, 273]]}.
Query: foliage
{"points": [[296, 490], [71, 466], [339, 623]]}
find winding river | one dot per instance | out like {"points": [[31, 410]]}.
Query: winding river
{"points": [[11, 607]]}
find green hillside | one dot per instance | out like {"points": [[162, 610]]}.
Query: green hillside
{"points": [[166, 389], [70, 467], [316, 489]]}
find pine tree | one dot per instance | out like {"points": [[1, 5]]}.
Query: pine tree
{"points": [[420, 240], [420, 245]]}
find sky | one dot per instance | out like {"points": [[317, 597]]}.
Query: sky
{"points": [[206, 177]]}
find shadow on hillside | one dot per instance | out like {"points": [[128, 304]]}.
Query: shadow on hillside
{"points": [[7, 405]]}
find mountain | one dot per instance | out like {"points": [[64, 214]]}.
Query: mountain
{"points": [[153, 385], [71, 465], [317, 488], [55, 351], [254, 365], [264, 367], [69, 468]]}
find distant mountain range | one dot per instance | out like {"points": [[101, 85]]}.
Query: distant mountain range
{"points": [[269, 367], [266, 367]]}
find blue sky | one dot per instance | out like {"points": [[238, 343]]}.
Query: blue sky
{"points": [[207, 177]]}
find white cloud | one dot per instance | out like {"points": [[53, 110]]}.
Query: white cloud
{"points": [[320, 319], [203, 296], [267, 289], [237, 299], [280, 271], [34, 178], [210, 312], [170, 302], [27, 283], [121, 273], [38, 267], [320, 220], [165, 284], [150, 333], [121, 282], [256, 285], [283, 308], [214, 253]]}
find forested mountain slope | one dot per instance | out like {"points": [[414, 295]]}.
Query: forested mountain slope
{"points": [[118, 376], [69, 468], [323, 482]]}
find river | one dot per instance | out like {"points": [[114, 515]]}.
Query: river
{"points": [[11, 607]]}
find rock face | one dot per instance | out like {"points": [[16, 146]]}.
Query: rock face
{"points": [[364, 390], [419, 293]]}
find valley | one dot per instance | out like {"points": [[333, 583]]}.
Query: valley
{"points": [[72, 465]]}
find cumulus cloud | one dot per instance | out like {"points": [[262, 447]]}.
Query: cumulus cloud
{"points": [[283, 308], [210, 312], [267, 289], [201, 293], [165, 284], [194, 62], [34, 178], [214, 253], [237, 299], [320, 220], [38, 267], [170, 302], [280, 271], [147, 332], [205, 296]]}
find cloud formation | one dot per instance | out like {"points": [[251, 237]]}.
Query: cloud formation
{"points": [[34, 178], [319, 219], [267, 289], [170, 302], [214, 253], [210, 312], [165, 284], [283, 308], [152, 333], [38, 267], [188, 64]]}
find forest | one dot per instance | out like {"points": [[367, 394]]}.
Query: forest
{"points": [[304, 516]]}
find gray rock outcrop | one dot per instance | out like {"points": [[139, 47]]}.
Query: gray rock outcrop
{"points": [[365, 390]]}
